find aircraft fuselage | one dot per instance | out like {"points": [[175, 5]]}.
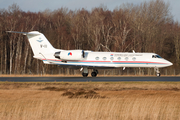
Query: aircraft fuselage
{"points": [[113, 60]]}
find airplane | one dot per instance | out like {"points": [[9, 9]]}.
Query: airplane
{"points": [[86, 59]]}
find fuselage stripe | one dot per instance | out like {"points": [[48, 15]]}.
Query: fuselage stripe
{"points": [[106, 62]]}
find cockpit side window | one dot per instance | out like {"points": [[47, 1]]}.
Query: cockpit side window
{"points": [[156, 56]]}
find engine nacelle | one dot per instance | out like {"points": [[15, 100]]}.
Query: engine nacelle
{"points": [[70, 55]]}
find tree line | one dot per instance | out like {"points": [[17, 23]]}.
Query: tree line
{"points": [[147, 27]]}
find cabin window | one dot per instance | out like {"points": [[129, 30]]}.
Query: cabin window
{"points": [[126, 58], [133, 58], [111, 58], [104, 58], [97, 58], [119, 58]]}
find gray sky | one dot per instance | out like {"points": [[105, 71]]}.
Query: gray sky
{"points": [[41, 5]]}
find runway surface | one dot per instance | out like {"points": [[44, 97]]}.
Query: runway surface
{"points": [[88, 79]]}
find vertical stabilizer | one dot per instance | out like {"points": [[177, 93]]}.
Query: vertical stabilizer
{"points": [[41, 47], [39, 43]]}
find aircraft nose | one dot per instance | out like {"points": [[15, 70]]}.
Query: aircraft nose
{"points": [[169, 63]]}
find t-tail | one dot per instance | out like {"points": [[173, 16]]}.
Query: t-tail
{"points": [[41, 47]]}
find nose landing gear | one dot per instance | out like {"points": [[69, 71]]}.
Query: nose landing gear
{"points": [[157, 72]]}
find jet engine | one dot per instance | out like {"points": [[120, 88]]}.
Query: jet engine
{"points": [[70, 55]]}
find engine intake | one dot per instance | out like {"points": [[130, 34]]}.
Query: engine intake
{"points": [[57, 55]]}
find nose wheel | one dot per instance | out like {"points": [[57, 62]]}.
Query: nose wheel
{"points": [[158, 74]]}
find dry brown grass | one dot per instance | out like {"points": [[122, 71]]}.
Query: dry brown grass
{"points": [[121, 101]]}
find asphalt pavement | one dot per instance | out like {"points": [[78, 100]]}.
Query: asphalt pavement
{"points": [[88, 79]]}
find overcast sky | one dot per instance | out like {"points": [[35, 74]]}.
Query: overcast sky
{"points": [[41, 5]]}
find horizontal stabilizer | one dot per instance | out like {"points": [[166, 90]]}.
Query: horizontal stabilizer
{"points": [[26, 33]]}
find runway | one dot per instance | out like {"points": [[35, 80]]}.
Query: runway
{"points": [[88, 79]]}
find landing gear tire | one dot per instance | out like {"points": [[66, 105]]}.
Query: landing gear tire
{"points": [[158, 74], [84, 74], [96, 71], [93, 74]]}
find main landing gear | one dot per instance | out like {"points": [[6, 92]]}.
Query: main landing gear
{"points": [[85, 72], [157, 72]]}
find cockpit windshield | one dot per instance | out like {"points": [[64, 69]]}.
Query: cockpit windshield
{"points": [[156, 56]]}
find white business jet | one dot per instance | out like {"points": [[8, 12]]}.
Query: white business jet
{"points": [[84, 59]]}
